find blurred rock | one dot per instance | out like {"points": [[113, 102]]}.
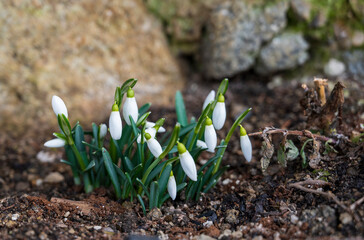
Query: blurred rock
{"points": [[355, 63], [357, 39], [235, 33], [80, 51], [334, 68], [54, 177], [284, 52], [302, 8]]}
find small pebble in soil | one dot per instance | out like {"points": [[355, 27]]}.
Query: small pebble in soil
{"points": [[97, 227], [232, 216], [346, 218], [15, 217], [155, 214], [294, 219], [226, 181], [108, 230], [67, 214], [54, 177], [203, 237], [208, 224]]}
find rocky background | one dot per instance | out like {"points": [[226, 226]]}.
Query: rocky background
{"points": [[81, 50]]}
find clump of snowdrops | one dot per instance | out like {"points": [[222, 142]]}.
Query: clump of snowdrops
{"points": [[141, 160]]}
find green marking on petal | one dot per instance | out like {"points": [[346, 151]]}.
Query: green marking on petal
{"points": [[242, 131], [130, 93], [221, 98], [115, 107], [181, 148]]}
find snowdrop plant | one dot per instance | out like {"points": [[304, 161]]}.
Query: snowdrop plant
{"points": [[140, 161]]}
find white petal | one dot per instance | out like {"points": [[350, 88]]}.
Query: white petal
{"points": [[55, 143], [115, 125], [103, 130], [152, 124], [246, 147], [154, 147], [201, 144], [209, 98], [172, 187], [58, 106], [151, 131], [219, 115], [188, 165], [210, 138], [130, 109]]}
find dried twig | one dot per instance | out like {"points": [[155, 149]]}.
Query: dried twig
{"points": [[304, 133], [329, 195]]}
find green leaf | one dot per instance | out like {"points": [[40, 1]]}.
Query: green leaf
{"points": [[111, 171], [143, 109], [281, 155], [60, 136], [118, 97], [119, 172], [186, 129], [172, 141], [91, 146], [163, 179], [153, 200], [66, 162], [142, 204], [142, 119], [302, 153], [143, 186], [223, 87], [128, 164], [292, 152], [181, 109], [90, 165]]}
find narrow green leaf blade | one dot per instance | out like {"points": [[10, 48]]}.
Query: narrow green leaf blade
{"points": [[181, 109], [111, 171]]}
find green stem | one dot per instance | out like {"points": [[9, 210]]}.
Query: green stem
{"points": [[86, 178], [78, 157], [228, 137]]}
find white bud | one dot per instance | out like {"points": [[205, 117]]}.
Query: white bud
{"points": [[154, 147], [151, 131], [201, 144], [130, 109], [55, 143], [219, 115], [210, 138], [152, 124], [172, 187], [246, 147], [58, 106], [103, 130], [115, 125], [210, 97], [188, 165]]}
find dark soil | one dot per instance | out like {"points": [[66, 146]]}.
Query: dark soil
{"points": [[246, 203]]}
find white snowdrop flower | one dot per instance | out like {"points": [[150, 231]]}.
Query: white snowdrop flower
{"points": [[55, 143], [115, 124], [210, 136], [210, 97], [154, 147], [201, 144], [152, 124], [130, 107], [152, 131], [103, 130], [245, 144], [58, 106], [172, 186], [219, 113], [187, 162]]}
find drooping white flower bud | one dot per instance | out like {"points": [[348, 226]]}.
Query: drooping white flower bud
{"points": [[130, 107], [154, 147], [103, 130], [152, 131], [210, 136], [58, 106], [115, 124], [210, 97], [172, 186], [152, 124], [201, 144], [245, 144], [219, 113], [55, 143], [187, 162]]}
